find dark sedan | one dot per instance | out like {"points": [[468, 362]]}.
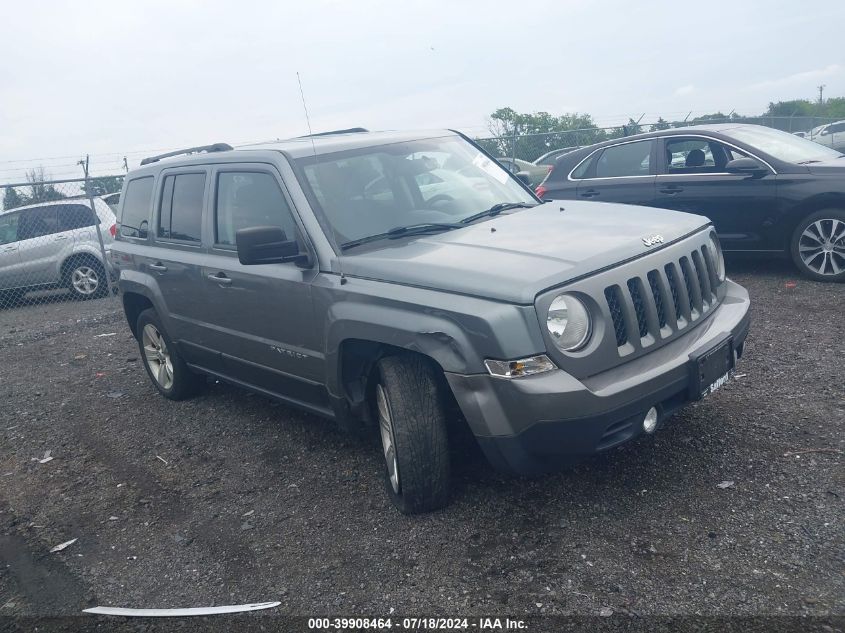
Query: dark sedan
{"points": [[766, 191]]}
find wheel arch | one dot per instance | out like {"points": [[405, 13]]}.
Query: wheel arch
{"points": [[829, 200]]}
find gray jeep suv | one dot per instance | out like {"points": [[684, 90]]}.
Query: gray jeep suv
{"points": [[407, 282]]}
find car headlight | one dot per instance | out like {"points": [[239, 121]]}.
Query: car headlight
{"points": [[718, 258], [569, 323]]}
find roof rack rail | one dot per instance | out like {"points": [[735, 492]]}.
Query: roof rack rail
{"points": [[351, 130], [216, 147]]}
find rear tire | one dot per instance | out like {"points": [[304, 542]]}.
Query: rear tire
{"points": [[818, 245], [410, 405], [86, 279], [165, 367]]}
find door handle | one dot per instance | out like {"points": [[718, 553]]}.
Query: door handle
{"points": [[9, 249], [671, 190], [60, 238], [158, 267], [589, 193], [220, 278]]}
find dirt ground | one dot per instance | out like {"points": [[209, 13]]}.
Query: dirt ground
{"points": [[736, 508]]}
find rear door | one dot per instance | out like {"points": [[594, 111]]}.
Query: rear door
{"points": [[261, 317], [176, 253], [619, 173], [10, 261], [40, 245], [692, 178]]}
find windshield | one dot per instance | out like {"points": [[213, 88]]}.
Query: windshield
{"points": [[783, 146], [372, 190]]}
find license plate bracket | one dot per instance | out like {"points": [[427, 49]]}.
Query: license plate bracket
{"points": [[711, 368]]}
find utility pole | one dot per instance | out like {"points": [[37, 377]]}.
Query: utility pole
{"points": [[821, 94]]}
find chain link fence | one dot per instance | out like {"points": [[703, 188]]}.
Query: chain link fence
{"points": [[55, 238], [535, 153]]}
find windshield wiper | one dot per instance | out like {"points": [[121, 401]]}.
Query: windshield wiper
{"points": [[496, 209], [401, 231]]}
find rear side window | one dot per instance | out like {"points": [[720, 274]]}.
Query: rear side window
{"points": [[75, 216], [180, 217], [630, 159], [38, 222], [246, 199], [136, 208]]}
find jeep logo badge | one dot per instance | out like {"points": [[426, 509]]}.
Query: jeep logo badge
{"points": [[651, 240]]}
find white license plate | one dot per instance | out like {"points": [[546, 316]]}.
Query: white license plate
{"points": [[717, 384]]}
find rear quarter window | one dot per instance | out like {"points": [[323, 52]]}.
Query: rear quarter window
{"points": [[135, 221]]}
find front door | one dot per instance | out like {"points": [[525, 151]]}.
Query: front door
{"points": [[743, 208], [40, 245], [260, 317], [620, 173]]}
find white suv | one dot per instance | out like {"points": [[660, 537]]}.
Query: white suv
{"points": [[831, 135], [53, 245]]}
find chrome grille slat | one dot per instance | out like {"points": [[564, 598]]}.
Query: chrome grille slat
{"points": [[663, 301]]}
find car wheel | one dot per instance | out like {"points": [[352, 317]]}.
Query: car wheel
{"points": [[409, 405], [86, 279], [818, 245], [165, 367]]}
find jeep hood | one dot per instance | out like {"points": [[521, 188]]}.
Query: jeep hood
{"points": [[514, 256]]}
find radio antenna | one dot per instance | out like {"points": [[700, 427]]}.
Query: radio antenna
{"points": [[307, 118]]}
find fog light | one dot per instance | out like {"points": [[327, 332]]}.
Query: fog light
{"points": [[650, 421]]}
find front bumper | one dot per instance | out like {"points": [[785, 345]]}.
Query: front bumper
{"points": [[540, 423]]}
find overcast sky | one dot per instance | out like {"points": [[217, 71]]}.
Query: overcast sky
{"points": [[111, 78]]}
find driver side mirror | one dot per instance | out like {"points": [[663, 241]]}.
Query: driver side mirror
{"points": [[746, 166], [525, 177], [266, 245]]}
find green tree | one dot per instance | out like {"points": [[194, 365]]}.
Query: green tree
{"points": [[536, 133], [12, 199], [661, 124], [102, 185]]}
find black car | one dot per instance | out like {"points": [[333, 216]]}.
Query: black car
{"points": [[766, 191]]}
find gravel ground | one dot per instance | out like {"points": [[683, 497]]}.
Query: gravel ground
{"points": [[232, 498]]}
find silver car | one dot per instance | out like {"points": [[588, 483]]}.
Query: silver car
{"points": [[831, 135], [55, 245]]}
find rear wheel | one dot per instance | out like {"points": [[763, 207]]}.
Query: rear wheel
{"points": [[165, 367], [410, 406], [818, 245], [86, 279]]}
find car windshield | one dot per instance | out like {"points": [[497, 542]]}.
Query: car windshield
{"points": [[782, 145], [370, 191]]}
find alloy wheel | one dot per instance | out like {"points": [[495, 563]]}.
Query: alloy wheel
{"points": [[85, 280], [822, 246], [157, 356], [385, 423]]}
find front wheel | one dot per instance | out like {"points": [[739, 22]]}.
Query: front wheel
{"points": [[410, 406], [818, 245]]}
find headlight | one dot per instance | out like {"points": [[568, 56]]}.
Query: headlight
{"points": [[716, 253], [568, 322]]}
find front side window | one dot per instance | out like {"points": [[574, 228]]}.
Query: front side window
{"points": [[628, 159], [369, 191], [9, 228], [75, 216], [246, 199], [38, 222], [135, 221], [693, 156], [180, 214]]}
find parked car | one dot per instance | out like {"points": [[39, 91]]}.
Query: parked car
{"points": [[831, 135], [53, 245], [766, 191], [535, 173], [555, 333], [111, 199], [548, 159]]}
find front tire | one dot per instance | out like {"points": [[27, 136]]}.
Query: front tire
{"points": [[818, 245], [410, 406], [165, 367]]}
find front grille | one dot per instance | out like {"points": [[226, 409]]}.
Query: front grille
{"points": [[666, 300]]}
